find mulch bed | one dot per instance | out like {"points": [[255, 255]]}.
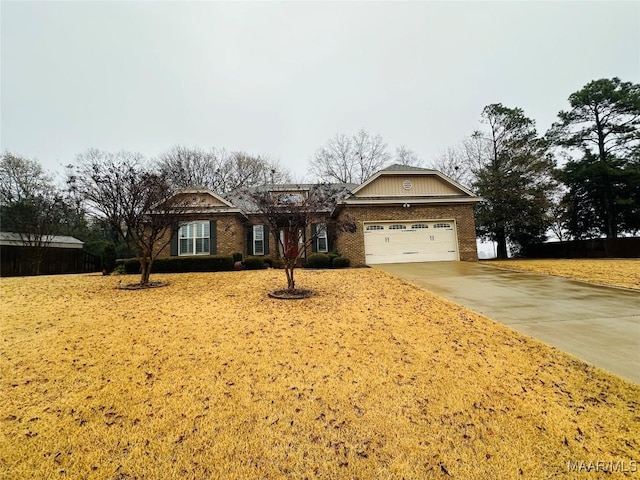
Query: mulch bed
{"points": [[137, 286], [287, 294]]}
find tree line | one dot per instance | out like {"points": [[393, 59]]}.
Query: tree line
{"points": [[579, 180]]}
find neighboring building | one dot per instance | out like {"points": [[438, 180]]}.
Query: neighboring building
{"points": [[58, 254], [402, 214], [10, 239]]}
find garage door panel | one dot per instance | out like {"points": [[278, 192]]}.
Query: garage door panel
{"points": [[403, 242]]}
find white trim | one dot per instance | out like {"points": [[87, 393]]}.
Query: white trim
{"points": [[402, 201], [212, 209]]}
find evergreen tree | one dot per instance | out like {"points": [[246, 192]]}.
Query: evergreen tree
{"points": [[603, 196], [513, 175]]}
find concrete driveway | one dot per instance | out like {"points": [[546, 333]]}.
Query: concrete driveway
{"points": [[599, 325]]}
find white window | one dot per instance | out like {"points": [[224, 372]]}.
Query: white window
{"points": [[301, 242], [375, 227], [442, 225], [193, 239], [419, 225], [290, 198], [258, 239], [397, 227], [321, 238]]}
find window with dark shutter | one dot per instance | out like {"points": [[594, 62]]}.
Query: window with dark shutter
{"points": [[321, 238], [194, 239], [258, 240]]}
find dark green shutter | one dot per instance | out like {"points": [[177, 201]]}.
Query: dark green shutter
{"points": [[174, 243], [266, 239], [314, 231], [250, 241], [213, 237], [330, 238]]}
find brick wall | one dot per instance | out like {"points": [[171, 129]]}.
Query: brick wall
{"points": [[231, 235], [351, 245]]}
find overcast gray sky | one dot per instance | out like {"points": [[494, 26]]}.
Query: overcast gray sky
{"points": [[281, 78]]}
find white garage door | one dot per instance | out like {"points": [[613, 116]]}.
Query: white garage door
{"points": [[403, 242]]}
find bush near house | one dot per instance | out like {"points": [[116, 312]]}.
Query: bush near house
{"points": [[254, 263], [273, 262], [205, 263], [340, 262], [324, 260], [318, 260]]}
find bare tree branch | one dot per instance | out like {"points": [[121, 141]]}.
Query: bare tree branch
{"points": [[219, 170], [406, 156], [350, 159], [134, 199]]}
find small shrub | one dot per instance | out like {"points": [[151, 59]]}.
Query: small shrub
{"points": [[237, 257], [132, 265], [340, 262], [318, 260], [333, 255], [254, 263], [273, 262], [119, 268], [109, 257]]}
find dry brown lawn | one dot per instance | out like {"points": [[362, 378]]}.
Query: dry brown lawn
{"points": [[614, 272], [210, 378]]}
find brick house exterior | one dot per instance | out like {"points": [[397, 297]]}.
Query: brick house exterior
{"points": [[351, 245], [400, 214]]}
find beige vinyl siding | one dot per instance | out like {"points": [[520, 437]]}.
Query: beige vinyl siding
{"points": [[421, 185], [201, 199]]}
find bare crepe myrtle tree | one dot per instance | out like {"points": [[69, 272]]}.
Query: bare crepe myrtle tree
{"points": [[292, 212], [133, 198]]}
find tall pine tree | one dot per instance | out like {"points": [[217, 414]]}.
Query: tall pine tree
{"points": [[603, 126], [513, 175]]}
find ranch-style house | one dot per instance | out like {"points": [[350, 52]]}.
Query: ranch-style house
{"points": [[401, 214]]}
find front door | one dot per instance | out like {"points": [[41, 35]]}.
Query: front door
{"points": [[293, 242]]}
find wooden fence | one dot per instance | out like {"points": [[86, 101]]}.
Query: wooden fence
{"points": [[628, 247], [16, 261]]}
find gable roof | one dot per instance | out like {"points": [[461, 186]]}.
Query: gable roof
{"points": [[205, 191], [398, 169], [196, 205]]}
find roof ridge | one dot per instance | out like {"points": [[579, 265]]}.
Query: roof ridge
{"points": [[397, 167]]}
